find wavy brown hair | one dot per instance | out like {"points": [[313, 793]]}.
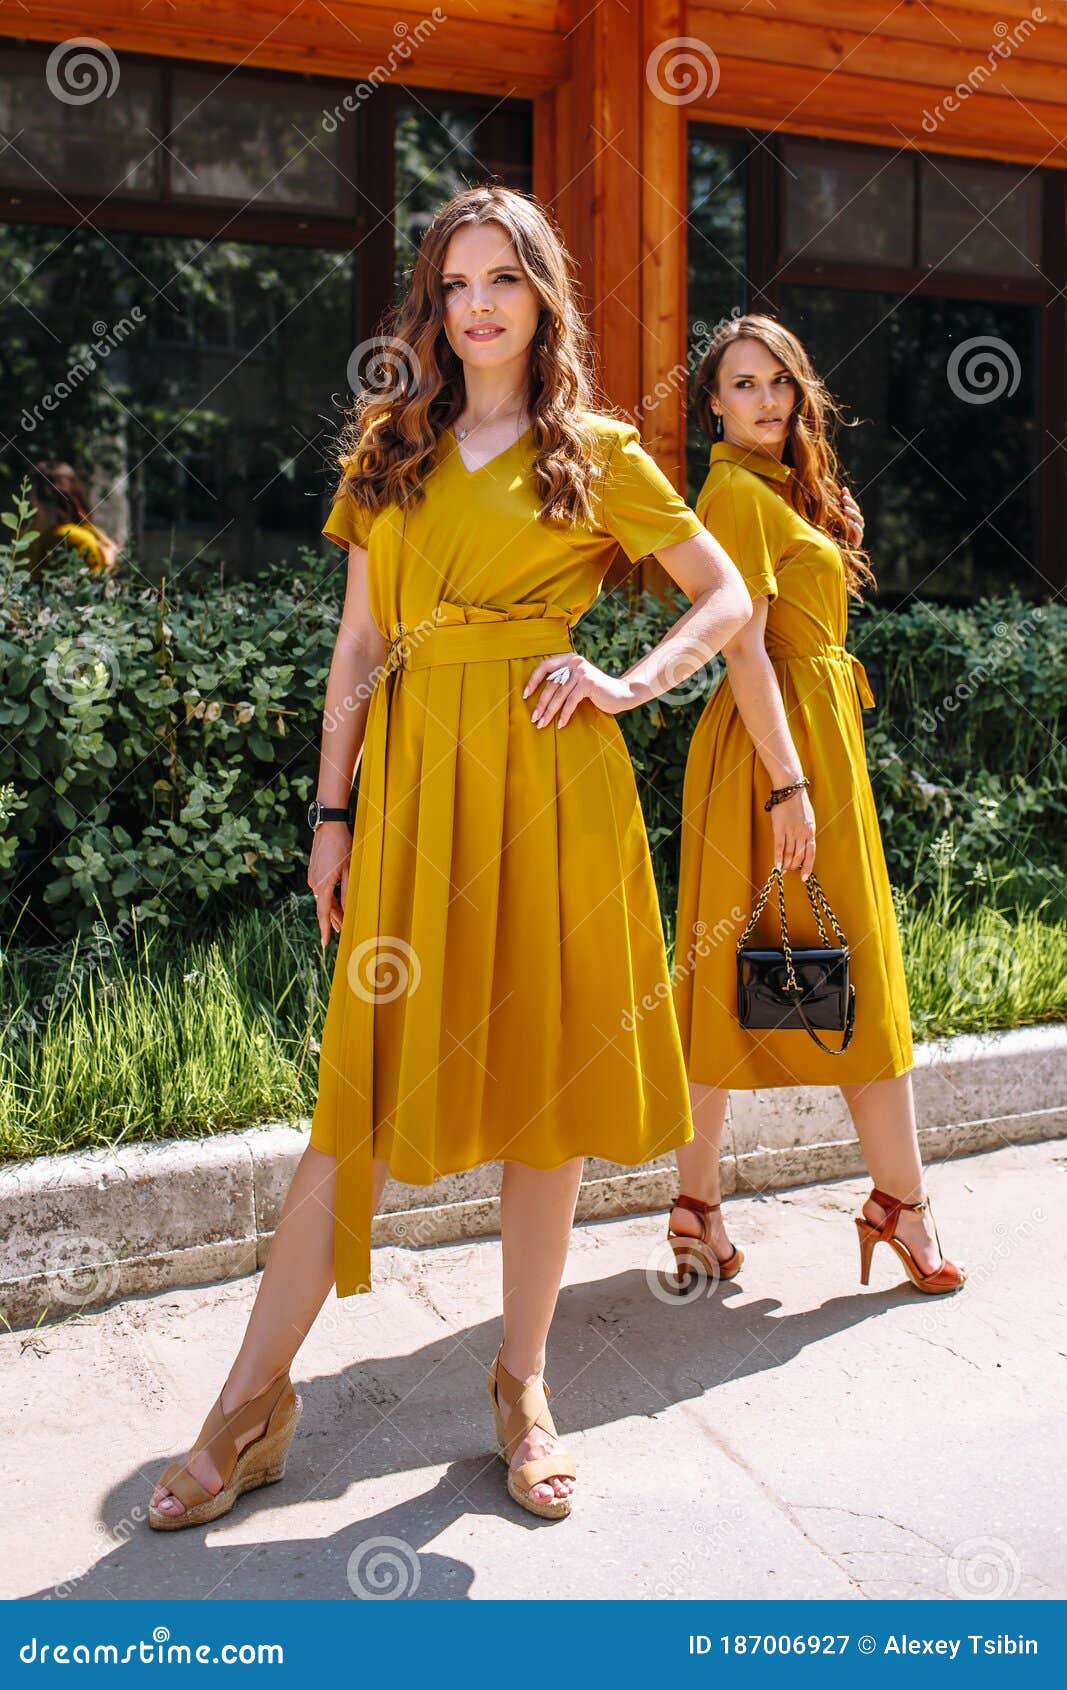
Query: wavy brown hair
{"points": [[808, 448], [386, 443]]}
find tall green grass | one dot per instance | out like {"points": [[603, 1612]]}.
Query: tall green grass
{"points": [[158, 1038], [152, 1038]]}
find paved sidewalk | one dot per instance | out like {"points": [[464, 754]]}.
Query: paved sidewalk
{"points": [[792, 1435]]}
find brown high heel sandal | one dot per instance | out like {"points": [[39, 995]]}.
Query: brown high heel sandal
{"points": [[695, 1255], [261, 1462], [529, 1408], [947, 1277]]}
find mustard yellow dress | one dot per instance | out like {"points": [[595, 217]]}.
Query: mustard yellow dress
{"points": [[82, 535], [727, 843], [501, 918]]}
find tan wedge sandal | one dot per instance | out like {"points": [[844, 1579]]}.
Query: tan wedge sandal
{"points": [[530, 1408], [261, 1462]]}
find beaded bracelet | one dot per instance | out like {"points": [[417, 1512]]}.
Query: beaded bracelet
{"points": [[781, 793]]}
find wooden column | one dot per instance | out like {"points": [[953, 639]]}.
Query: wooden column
{"points": [[609, 161]]}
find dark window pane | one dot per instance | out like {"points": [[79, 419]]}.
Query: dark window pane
{"points": [[102, 139], [249, 139], [846, 203], [980, 217], [944, 461], [715, 259], [205, 431]]}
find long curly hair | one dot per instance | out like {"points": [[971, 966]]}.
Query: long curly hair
{"points": [[809, 449], [416, 387]]}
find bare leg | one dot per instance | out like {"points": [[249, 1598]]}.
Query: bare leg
{"points": [[296, 1280], [698, 1167], [536, 1216], [883, 1113]]}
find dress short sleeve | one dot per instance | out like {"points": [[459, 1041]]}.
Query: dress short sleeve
{"points": [[638, 506], [745, 524], [348, 523]]}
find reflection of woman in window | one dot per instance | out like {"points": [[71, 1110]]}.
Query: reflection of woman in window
{"points": [[788, 710], [62, 507], [497, 911]]}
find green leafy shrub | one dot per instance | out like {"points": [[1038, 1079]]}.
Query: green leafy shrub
{"points": [[158, 746]]}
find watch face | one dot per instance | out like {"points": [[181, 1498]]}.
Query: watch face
{"points": [[313, 813]]}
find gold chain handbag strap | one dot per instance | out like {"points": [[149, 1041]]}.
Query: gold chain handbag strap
{"points": [[816, 897]]}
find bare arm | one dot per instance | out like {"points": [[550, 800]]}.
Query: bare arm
{"points": [[721, 607], [358, 653], [759, 704]]}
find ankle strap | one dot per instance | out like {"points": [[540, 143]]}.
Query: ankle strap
{"points": [[697, 1204], [892, 1204]]}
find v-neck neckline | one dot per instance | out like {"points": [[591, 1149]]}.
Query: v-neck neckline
{"points": [[489, 461]]}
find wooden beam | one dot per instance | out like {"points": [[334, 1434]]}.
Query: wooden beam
{"points": [[506, 48], [610, 163], [664, 229], [842, 107], [936, 65]]}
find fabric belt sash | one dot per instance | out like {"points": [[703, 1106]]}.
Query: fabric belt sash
{"points": [[504, 634], [839, 654]]}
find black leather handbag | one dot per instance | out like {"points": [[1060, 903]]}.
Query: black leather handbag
{"points": [[801, 989]]}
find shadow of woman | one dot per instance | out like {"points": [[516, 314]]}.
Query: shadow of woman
{"points": [[621, 1347]]}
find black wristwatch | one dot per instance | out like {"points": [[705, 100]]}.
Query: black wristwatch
{"points": [[318, 813]]}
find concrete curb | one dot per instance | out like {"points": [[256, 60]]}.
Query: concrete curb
{"points": [[81, 1230]]}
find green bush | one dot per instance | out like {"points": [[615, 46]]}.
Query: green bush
{"points": [[158, 747]]}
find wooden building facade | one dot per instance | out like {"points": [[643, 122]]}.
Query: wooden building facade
{"points": [[697, 157]]}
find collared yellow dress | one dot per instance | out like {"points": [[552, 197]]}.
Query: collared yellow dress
{"points": [[727, 843], [501, 920]]}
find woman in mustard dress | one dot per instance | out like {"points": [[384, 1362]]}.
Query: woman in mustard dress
{"points": [[61, 507], [495, 904], [786, 718]]}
